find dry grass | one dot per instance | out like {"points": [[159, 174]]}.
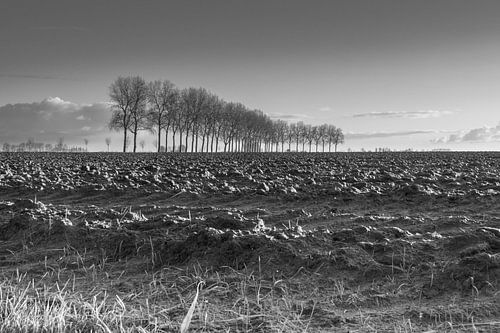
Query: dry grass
{"points": [[71, 292]]}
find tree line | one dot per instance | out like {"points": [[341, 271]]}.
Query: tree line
{"points": [[32, 146], [203, 122]]}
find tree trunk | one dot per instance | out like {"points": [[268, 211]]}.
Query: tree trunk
{"points": [[180, 141], [159, 134], [125, 139], [166, 141], [192, 140], [135, 137]]}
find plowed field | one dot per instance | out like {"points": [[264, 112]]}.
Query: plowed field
{"points": [[396, 242]]}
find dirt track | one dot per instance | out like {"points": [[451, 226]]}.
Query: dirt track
{"points": [[363, 242]]}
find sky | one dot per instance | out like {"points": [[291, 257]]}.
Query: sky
{"points": [[391, 73]]}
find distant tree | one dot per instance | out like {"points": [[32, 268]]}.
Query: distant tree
{"points": [[331, 134], [338, 138], [49, 147], [129, 96], [30, 144], [205, 119], [86, 141], [142, 143], [195, 101], [309, 135], [316, 134], [162, 98], [122, 99], [138, 114], [38, 146], [302, 131], [280, 129], [323, 135], [60, 144], [108, 142], [6, 147]]}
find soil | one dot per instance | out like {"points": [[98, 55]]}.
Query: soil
{"points": [[368, 242]]}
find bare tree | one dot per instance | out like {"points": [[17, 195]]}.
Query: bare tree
{"points": [[142, 143], [338, 137], [316, 133], [122, 98], [323, 135], [6, 147], [60, 144], [86, 141], [195, 101], [138, 115], [196, 114], [162, 97], [302, 131], [108, 142], [30, 144]]}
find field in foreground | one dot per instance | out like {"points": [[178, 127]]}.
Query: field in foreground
{"points": [[250, 242]]}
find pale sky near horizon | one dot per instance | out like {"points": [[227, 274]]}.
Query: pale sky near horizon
{"points": [[400, 74]]}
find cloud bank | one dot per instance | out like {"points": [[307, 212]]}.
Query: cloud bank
{"points": [[404, 114], [370, 135], [482, 134], [52, 118]]}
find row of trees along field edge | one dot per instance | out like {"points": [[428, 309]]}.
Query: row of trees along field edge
{"points": [[203, 121]]}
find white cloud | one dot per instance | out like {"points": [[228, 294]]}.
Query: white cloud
{"points": [[325, 109], [58, 104], [404, 114], [370, 135], [288, 116], [482, 134]]}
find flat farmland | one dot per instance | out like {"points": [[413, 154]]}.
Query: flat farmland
{"points": [[283, 242]]}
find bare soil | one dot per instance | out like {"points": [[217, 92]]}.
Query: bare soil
{"points": [[398, 242]]}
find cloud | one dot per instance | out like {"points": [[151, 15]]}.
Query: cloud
{"points": [[482, 134], [404, 114], [370, 135], [50, 119], [325, 109], [287, 116]]}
